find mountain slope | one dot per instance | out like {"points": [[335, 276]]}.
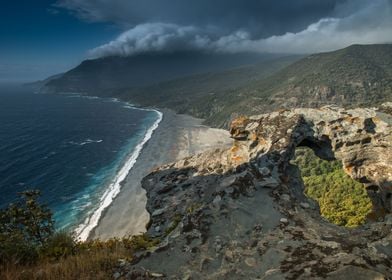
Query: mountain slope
{"points": [[102, 76], [193, 94], [355, 76], [359, 75]]}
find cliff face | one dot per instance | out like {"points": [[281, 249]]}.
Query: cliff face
{"points": [[241, 213]]}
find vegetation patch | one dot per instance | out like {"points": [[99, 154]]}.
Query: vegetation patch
{"points": [[172, 226], [30, 248], [342, 200]]}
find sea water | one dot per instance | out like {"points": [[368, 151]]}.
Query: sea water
{"points": [[76, 150]]}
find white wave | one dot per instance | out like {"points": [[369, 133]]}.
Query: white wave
{"points": [[128, 106], [90, 97], [85, 142], [70, 95], [83, 230], [113, 99], [89, 141]]}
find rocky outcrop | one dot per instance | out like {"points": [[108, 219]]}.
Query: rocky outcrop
{"points": [[360, 138], [241, 213]]}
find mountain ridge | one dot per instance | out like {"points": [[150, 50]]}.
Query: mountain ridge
{"points": [[103, 75], [358, 75]]}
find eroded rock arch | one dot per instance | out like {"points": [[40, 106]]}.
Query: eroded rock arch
{"points": [[361, 139]]}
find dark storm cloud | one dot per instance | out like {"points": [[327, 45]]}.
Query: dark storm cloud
{"points": [[299, 26], [259, 17]]}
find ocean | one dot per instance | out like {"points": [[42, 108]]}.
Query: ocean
{"points": [[76, 150]]}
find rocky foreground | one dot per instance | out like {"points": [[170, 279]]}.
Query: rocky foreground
{"points": [[241, 213]]}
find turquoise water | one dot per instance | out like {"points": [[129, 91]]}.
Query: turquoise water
{"points": [[76, 150]]}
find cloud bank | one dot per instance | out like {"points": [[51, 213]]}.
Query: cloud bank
{"points": [[303, 26]]}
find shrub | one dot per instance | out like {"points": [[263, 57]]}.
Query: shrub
{"points": [[30, 249], [342, 200], [60, 245], [25, 226], [140, 242]]}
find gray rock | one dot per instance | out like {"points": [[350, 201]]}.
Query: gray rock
{"points": [[304, 205], [156, 275], [250, 262], [284, 221], [158, 212], [229, 255], [285, 197], [228, 181], [229, 190], [217, 199], [264, 171], [269, 182]]}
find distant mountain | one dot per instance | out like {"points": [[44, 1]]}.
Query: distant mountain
{"points": [[102, 76], [37, 85]]}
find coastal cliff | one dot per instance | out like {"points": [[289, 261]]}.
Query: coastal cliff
{"points": [[240, 213]]}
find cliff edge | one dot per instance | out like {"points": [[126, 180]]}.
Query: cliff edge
{"points": [[241, 213]]}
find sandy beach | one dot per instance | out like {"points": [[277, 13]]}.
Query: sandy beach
{"points": [[176, 137]]}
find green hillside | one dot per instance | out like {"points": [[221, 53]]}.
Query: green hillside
{"points": [[360, 75], [217, 89], [201, 95]]}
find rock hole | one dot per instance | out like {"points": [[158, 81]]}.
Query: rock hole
{"points": [[370, 126], [342, 200], [372, 188]]}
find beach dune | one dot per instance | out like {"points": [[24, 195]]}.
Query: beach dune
{"points": [[177, 136]]}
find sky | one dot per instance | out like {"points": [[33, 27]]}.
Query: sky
{"points": [[40, 38]]}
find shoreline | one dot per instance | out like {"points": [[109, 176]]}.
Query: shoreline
{"points": [[84, 229], [176, 137]]}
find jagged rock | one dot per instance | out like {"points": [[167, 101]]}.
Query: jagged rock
{"points": [[211, 202]]}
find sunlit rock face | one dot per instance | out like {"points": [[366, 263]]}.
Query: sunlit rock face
{"points": [[240, 213], [360, 138]]}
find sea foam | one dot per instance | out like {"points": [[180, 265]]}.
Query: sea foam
{"points": [[83, 230], [87, 141]]}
